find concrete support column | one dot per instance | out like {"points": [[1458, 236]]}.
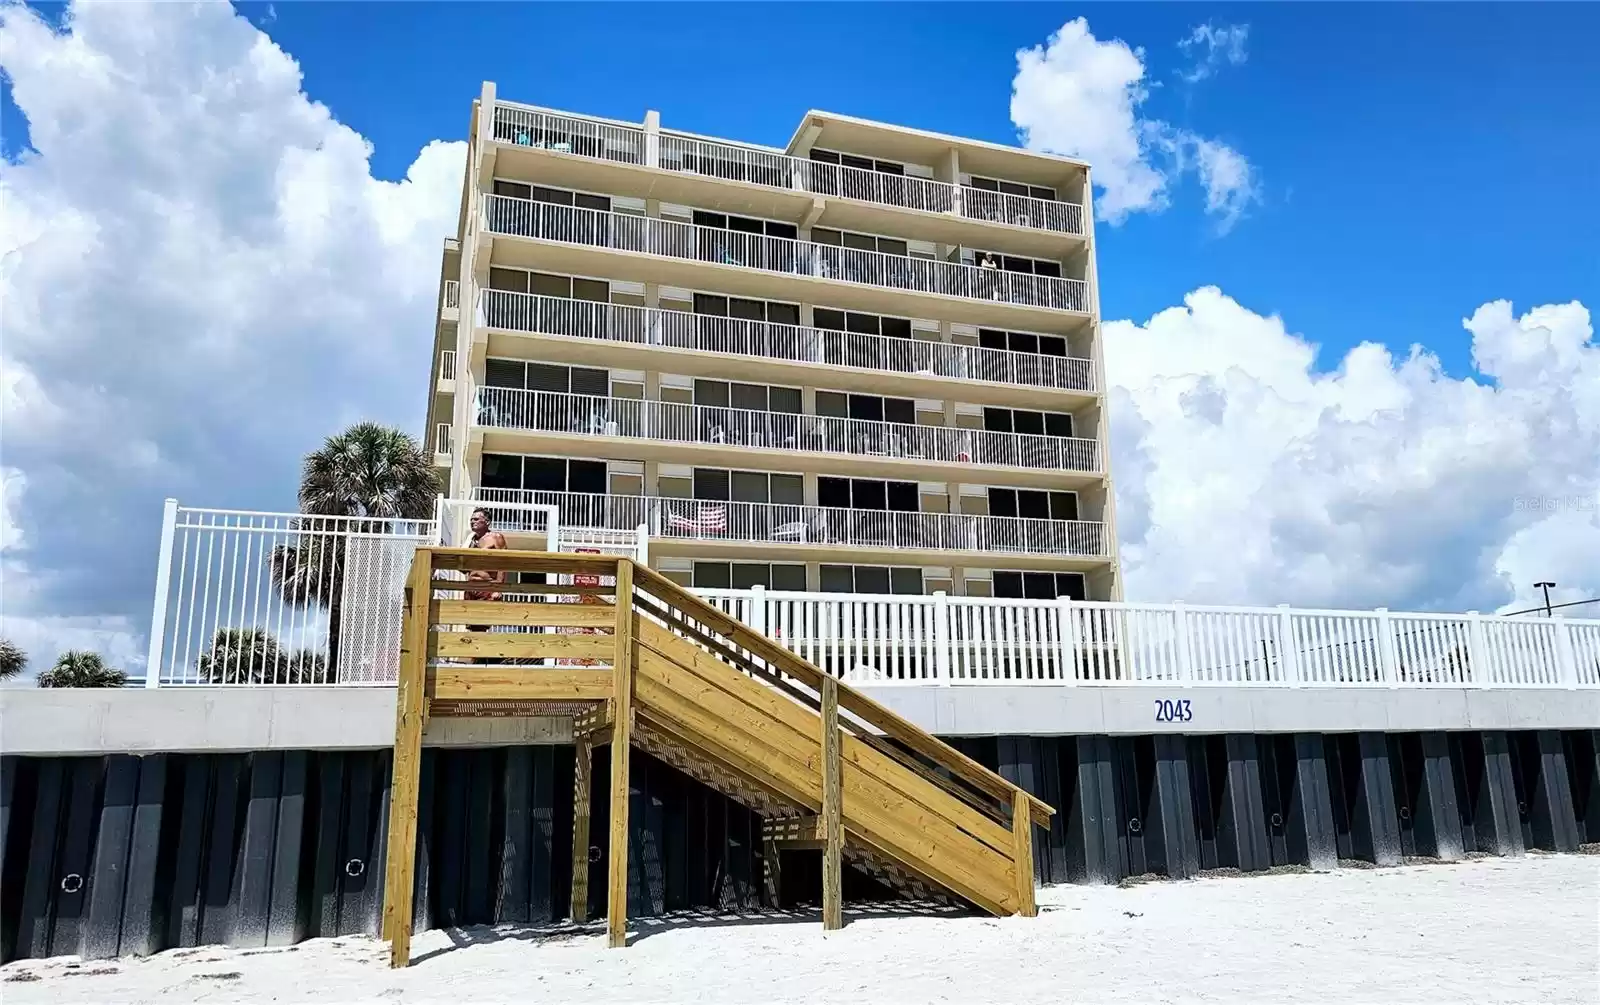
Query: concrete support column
{"points": [[808, 486], [652, 138], [808, 401], [652, 385], [652, 478], [813, 577]]}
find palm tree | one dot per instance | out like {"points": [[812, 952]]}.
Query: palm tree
{"points": [[255, 656], [78, 668], [12, 659], [366, 471]]}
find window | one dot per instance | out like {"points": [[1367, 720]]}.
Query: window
{"points": [[546, 377], [878, 579], [871, 407], [865, 324], [1033, 504], [1039, 585], [717, 485], [755, 397], [1019, 420], [1014, 263], [867, 494], [744, 575], [1027, 342], [544, 474], [862, 242], [716, 305], [860, 163], [1012, 188], [745, 224]]}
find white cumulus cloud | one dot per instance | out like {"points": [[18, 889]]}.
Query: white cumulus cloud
{"points": [[201, 278], [1249, 476], [1079, 96]]}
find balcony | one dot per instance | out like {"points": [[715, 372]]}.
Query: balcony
{"points": [[671, 239], [447, 365], [819, 529], [645, 326], [449, 309], [622, 143], [739, 432], [442, 445]]}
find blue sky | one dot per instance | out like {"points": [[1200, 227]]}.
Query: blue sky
{"points": [[1415, 159], [204, 278]]}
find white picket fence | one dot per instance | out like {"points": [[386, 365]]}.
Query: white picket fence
{"points": [[244, 598]]}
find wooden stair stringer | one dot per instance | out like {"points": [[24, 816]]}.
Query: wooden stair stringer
{"points": [[879, 854]]}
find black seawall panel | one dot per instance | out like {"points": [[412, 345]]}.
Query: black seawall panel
{"points": [[123, 854]]}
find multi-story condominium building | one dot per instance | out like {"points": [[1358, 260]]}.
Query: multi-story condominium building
{"points": [[869, 362]]}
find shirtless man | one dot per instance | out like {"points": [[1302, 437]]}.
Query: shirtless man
{"points": [[483, 537]]}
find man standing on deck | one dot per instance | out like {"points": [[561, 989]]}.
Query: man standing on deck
{"points": [[483, 537]]}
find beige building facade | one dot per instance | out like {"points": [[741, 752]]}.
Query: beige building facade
{"points": [[869, 362]]}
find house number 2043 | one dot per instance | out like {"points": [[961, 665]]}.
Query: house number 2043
{"points": [[1168, 710]]}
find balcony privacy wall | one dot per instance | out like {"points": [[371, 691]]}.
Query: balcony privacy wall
{"points": [[124, 855]]}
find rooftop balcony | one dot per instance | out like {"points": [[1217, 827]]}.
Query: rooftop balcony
{"points": [[681, 153], [652, 329], [819, 533], [971, 294], [704, 434]]}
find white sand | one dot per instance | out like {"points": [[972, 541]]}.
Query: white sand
{"points": [[1519, 930]]}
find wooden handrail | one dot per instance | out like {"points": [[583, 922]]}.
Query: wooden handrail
{"points": [[851, 700], [675, 597]]}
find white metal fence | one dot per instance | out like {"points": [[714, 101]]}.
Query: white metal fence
{"points": [[545, 221], [636, 418], [248, 597], [627, 143], [529, 312], [452, 293], [792, 523], [972, 640]]}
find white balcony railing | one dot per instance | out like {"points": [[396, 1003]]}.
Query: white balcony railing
{"points": [[629, 144], [759, 523], [452, 293], [530, 312], [876, 639], [671, 239], [447, 364], [558, 412], [442, 439]]}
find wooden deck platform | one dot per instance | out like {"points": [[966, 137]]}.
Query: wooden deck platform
{"points": [[636, 661]]}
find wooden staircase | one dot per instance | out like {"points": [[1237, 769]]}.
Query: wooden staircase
{"points": [[637, 661]]}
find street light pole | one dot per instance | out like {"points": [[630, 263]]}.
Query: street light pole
{"points": [[1546, 588]]}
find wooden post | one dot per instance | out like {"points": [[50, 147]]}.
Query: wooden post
{"points": [[1022, 852], [582, 780], [621, 739], [400, 859], [832, 818]]}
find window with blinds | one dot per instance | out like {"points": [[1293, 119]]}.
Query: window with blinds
{"points": [[1021, 420]]}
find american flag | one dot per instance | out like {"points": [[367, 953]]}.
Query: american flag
{"points": [[710, 518]]}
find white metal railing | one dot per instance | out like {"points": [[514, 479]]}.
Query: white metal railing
{"points": [[279, 598], [673, 151], [443, 439], [529, 312], [877, 639], [447, 364], [672, 239], [635, 418], [452, 293], [247, 598], [702, 520]]}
